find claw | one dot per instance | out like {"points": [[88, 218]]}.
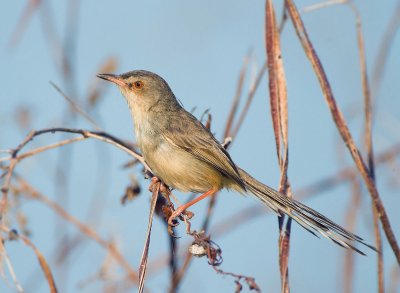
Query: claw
{"points": [[188, 214], [172, 221], [177, 213]]}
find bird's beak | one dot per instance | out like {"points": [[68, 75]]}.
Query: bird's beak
{"points": [[113, 78]]}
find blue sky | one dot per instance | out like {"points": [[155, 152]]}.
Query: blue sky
{"points": [[198, 47]]}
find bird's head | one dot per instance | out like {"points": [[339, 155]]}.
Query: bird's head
{"points": [[143, 90]]}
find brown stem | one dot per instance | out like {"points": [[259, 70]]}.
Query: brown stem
{"points": [[42, 261], [279, 114]]}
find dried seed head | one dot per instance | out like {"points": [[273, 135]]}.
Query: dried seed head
{"points": [[197, 250]]}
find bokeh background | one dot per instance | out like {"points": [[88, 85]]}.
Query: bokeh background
{"points": [[199, 48]]}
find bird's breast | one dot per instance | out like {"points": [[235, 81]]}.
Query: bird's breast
{"points": [[179, 169], [173, 165]]}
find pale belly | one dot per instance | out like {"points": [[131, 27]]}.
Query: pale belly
{"points": [[180, 170]]}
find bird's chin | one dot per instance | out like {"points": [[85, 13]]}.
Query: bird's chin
{"points": [[126, 93]]}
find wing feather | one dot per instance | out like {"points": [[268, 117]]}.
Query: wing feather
{"points": [[202, 145]]}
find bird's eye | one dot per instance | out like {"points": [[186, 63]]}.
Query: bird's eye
{"points": [[138, 84]]}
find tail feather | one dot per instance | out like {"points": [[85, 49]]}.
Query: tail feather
{"points": [[308, 218]]}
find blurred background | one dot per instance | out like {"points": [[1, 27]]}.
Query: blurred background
{"points": [[200, 48]]}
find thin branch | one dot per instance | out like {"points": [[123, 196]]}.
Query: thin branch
{"points": [[83, 228], [368, 140], [103, 136], [250, 97], [4, 255], [6, 187], [145, 254], [321, 5], [42, 261], [44, 148], [350, 220], [238, 94], [78, 109]]}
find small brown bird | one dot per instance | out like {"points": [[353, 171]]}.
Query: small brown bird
{"points": [[186, 156]]}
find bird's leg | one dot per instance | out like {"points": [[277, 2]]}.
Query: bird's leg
{"points": [[183, 207]]}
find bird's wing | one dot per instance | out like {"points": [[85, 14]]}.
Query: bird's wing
{"points": [[191, 136]]}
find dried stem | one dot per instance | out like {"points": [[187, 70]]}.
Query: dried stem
{"points": [[44, 148], [5, 257], [350, 220], [76, 108], [145, 254], [321, 5], [6, 187], [250, 97], [127, 147], [42, 261], [368, 140], [279, 114], [83, 228], [236, 98]]}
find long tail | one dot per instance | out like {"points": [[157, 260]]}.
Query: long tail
{"points": [[308, 218]]}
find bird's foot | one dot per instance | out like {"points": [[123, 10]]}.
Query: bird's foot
{"points": [[173, 221], [179, 212]]}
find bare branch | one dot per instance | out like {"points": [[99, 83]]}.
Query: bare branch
{"points": [[42, 261], [145, 254], [83, 228], [78, 109]]}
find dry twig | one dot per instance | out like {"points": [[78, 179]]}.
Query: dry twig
{"points": [[350, 220], [83, 228], [279, 114], [145, 254], [42, 261], [6, 259]]}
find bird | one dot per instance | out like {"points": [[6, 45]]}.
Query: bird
{"points": [[186, 156]]}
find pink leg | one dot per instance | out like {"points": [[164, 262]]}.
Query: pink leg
{"points": [[183, 207]]}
